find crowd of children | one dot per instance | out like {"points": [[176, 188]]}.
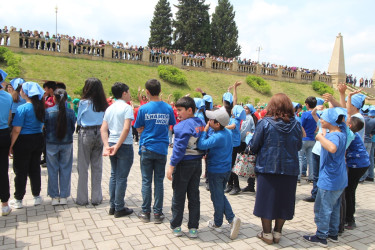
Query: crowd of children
{"points": [[35, 119]]}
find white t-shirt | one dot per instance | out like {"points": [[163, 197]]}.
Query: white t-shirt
{"points": [[115, 116]]}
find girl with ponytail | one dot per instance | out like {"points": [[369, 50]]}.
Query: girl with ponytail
{"points": [[60, 124]]}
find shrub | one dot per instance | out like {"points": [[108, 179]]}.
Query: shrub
{"points": [[259, 84], [322, 88], [246, 100], [12, 61], [256, 101], [176, 95], [172, 75]]}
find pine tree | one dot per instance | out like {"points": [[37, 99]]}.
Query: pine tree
{"points": [[161, 26], [192, 26], [224, 31]]}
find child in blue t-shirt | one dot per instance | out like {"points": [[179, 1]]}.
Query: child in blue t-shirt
{"points": [[332, 177], [153, 121], [219, 160], [238, 115], [186, 167]]}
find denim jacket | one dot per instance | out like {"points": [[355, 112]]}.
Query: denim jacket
{"points": [[51, 124], [276, 144]]}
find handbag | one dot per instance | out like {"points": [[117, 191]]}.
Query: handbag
{"points": [[244, 165]]}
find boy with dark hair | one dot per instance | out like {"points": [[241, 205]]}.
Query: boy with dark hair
{"points": [[219, 165], [119, 147], [49, 87], [186, 167], [309, 125], [152, 122]]}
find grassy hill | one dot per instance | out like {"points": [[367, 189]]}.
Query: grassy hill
{"points": [[74, 72]]}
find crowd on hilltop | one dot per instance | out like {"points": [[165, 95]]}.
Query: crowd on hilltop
{"points": [[333, 148], [155, 52], [362, 83]]}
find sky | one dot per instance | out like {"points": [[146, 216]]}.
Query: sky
{"points": [[294, 32]]}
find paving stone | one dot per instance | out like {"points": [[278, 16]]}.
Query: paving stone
{"points": [[90, 227]]}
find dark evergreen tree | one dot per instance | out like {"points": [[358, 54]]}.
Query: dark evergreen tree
{"points": [[224, 31], [192, 26], [161, 26]]}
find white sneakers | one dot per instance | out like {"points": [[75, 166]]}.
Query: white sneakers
{"points": [[5, 210], [211, 224], [55, 201], [63, 201], [16, 204], [59, 201], [234, 227], [38, 200]]}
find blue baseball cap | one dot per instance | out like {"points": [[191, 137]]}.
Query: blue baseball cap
{"points": [[16, 81], [199, 103], [208, 98], [319, 101], [251, 107], [32, 89], [357, 100], [331, 115], [239, 112], [228, 97]]}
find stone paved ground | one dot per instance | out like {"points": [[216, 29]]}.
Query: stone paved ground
{"points": [[89, 227]]}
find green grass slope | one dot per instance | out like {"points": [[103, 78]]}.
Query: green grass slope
{"points": [[74, 72]]}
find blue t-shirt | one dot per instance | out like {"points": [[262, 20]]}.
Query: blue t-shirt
{"points": [[332, 173], [309, 125], [25, 118], [187, 133], [155, 117], [356, 155], [15, 105], [219, 158], [236, 133], [6, 104], [87, 116]]}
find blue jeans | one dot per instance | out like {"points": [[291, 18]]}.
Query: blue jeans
{"points": [[121, 163], [370, 171], [307, 147], [59, 167], [185, 182], [152, 164], [218, 182], [327, 213], [316, 166]]}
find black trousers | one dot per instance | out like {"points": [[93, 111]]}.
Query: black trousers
{"points": [[4, 164], [233, 179], [354, 174], [185, 183], [26, 162]]}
